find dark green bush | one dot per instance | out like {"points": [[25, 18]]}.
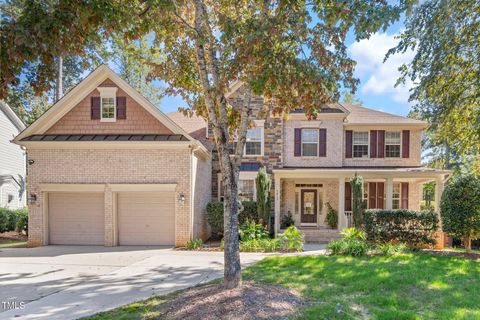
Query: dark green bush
{"points": [[9, 219], [215, 215], [194, 244], [292, 240], [352, 243], [22, 222], [332, 216], [251, 230], [287, 220], [407, 226], [3, 220]]}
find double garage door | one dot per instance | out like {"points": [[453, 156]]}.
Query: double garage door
{"points": [[143, 218]]}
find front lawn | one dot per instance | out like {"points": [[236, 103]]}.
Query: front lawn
{"points": [[407, 286]]}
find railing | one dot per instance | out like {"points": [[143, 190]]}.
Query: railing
{"points": [[349, 217]]}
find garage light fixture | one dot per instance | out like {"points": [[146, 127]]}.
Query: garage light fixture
{"points": [[181, 199], [32, 198]]}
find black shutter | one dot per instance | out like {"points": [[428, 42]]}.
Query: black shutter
{"points": [[95, 108], [121, 108]]}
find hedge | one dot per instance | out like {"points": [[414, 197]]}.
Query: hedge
{"points": [[11, 220], [407, 226], [215, 215]]}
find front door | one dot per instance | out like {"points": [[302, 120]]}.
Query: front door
{"points": [[309, 206]]}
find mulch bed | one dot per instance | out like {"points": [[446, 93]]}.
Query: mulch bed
{"points": [[12, 236], [250, 301], [472, 255]]}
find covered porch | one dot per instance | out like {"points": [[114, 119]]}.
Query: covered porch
{"points": [[306, 194]]}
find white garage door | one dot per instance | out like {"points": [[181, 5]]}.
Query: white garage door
{"points": [[76, 218], [146, 218]]}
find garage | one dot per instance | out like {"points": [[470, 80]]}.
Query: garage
{"points": [[76, 218], [146, 218]]}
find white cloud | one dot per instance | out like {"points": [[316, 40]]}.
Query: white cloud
{"points": [[377, 77]]}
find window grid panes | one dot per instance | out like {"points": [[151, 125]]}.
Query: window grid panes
{"points": [[360, 144], [309, 142], [392, 144], [246, 190], [253, 145], [396, 196], [108, 108]]}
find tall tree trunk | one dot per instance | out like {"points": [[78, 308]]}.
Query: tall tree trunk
{"points": [[59, 81], [467, 242]]}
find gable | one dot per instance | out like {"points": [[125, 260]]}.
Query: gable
{"points": [[138, 119]]}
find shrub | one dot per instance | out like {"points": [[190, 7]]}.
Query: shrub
{"points": [[260, 245], [352, 243], [292, 240], [264, 203], [410, 227], [357, 200], [215, 215], [332, 216], [194, 244], [9, 219], [252, 230], [22, 222], [3, 220], [287, 220], [460, 208], [390, 248]]}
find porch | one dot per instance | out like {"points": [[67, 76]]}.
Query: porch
{"points": [[306, 194]]}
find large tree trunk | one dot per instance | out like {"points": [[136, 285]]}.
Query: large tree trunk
{"points": [[467, 242]]}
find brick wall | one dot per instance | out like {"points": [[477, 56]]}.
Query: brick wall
{"points": [[115, 167], [78, 121]]}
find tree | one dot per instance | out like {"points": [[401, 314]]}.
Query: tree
{"points": [[293, 54], [350, 98], [460, 208], [264, 203], [445, 69], [357, 200]]}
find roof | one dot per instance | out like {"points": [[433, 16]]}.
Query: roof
{"points": [[361, 115], [12, 116], [194, 125], [106, 137]]}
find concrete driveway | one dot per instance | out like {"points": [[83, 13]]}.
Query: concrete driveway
{"points": [[69, 282]]}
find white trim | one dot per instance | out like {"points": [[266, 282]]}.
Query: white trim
{"points": [[12, 116], [107, 144], [108, 93]]}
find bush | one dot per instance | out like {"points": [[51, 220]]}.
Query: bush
{"points": [[252, 230], [332, 216], [9, 219], [292, 240], [22, 222], [215, 215], [460, 208], [410, 227], [287, 220], [194, 244], [3, 220], [260, 245], [352, 243], [390, 248]]}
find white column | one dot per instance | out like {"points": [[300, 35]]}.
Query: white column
{"points": [[278, 192], [389, 204], [342, 219], [438, 196]]}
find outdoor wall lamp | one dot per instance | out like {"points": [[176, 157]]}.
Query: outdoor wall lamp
{"points": [[181, 198], [30, 162], [32, 198]]}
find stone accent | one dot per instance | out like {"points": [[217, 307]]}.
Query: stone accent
{"points": [[112, 167], [78, 121]]}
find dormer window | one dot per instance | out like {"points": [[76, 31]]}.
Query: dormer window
{"points": [[108, 105]]}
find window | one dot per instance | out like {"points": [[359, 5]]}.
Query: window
{"points": [[309, 142], [360, 144], [246, 190], [392, 144], [108, 108], [108, 104], [253, 144], [365, 195], [396, 196]]}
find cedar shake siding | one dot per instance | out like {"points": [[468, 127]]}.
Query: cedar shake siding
{"points": [[131, 119]]}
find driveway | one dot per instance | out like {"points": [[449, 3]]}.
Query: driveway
{"points": [[69, 282]]}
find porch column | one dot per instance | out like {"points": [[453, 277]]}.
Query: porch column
{"points": [[438, 196], [342, 219], [278, 193], [389, 204]]}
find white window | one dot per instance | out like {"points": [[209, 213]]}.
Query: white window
{"points": [[254, 142], [108, 104], [360, 144], [396, 196], [309, 142], [392, 144], [246, 190]]}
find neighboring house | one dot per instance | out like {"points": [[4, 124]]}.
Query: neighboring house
{"points": [[12, 161], [106, 167]]}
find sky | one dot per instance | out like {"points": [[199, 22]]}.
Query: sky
{"points": [[377, 79]]}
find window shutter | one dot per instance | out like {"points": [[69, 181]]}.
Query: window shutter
{"points": [[381, 144], [121, 107], [348, 196], [322, 142], [405, 143], [95, 108], [348, 143], [404, 204], [380, 194], [373, 143], [298, 142], [372, 195]]}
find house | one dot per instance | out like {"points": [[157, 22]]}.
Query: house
{"points": [[12, 161], [106, 167]]}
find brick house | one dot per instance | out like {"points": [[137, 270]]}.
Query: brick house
{"points": [[106, 167]]}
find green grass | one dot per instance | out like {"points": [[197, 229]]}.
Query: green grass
{"points": [[13, 244], [407, 286]]}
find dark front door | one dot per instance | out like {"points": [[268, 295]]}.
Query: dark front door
{"points": [[309, 206]]}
